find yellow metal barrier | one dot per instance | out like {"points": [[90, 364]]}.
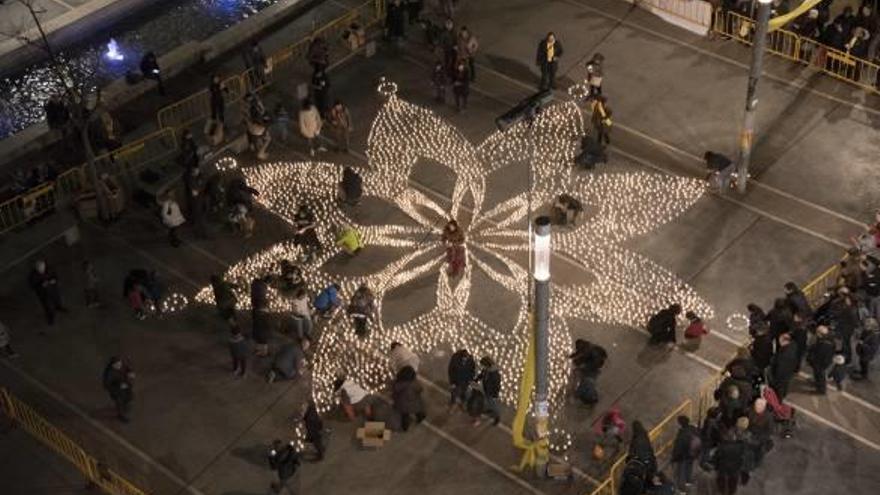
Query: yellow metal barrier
{"points": [[663, 435], [127, 161], [197, 106], [787, 44], [41, 429], [816, 289]]}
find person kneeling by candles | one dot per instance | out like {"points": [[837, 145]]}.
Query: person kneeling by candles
{"points": [[362, 309]]}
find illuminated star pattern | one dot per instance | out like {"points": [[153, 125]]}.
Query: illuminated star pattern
{"points": [[622, 287]]}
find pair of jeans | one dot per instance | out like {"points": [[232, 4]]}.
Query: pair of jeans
{"points": [[683, 473]]}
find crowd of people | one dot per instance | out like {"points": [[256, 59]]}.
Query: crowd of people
{"points": [[855, 32]]}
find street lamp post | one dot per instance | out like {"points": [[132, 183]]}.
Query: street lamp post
{"points": [[748, 127], [541, 273]]}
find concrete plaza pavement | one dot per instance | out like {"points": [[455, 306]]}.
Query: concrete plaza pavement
{"points": [[209, 430]]}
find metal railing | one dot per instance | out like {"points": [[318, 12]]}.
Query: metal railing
{"points": [[836, 63], [40, 428], [816, 289], [124, 162], [197, 106]]}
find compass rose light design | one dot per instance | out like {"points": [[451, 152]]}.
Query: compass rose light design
{"points": [[603, 282]]}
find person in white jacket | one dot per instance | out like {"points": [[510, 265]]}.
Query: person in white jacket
{"points": [[310, 126], [401, 357], [172, 218]]}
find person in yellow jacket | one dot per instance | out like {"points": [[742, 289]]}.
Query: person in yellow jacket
{"points": [[349, 239]]}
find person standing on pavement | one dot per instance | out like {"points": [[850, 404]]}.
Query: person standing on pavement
{"points": [[729, 463], [547, 59], [238, 350], [118, 382], [321, 92], [761, 348], [314, 429], [44, 282], [783, 366], [284, 460], [867, 347], [601, 120], [260, 315], [461, 83], [846, 315], [194, 184], [172, 218], [406, 397], [150, 70], [218, 100], [395, 22], [819, 357], [440, 80], [466, 49], [798, 302], [490, 380], [341, 126], [462, 370], [310, 126], [594, 75], [319, 54], [685, 450]]}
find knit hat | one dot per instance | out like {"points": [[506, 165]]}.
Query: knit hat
{"points": [[839, 359]]}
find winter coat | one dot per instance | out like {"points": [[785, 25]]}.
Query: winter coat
{"points": [[310, 122], [785, 363], [490, 378], [467, 47], [730, 457], [541, 56], [869, 343], [326, 299], [171, 215], [401, 356], [407, 397], [685, 443], [462, 368], [288, 359], [781, 320], [821, 354], [762, 350], [117, 382], [238, 347], [314, 424], [42, 283], [300, 307], [661, 326], [695, 330], [285, 461], [799, 304], [262, 327], [352, 184], [761, 425]]}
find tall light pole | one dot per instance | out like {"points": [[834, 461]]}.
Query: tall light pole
{"points": [[746, 134], [541, 273]]}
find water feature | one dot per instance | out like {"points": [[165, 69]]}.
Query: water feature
{"points": [[111, 53]]}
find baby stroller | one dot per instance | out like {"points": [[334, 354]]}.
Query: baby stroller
{"points": [[782, 413]]}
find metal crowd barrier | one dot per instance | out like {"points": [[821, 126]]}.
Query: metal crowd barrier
{"points": [[124, 162], [50, 435], [836, 63], [817, 288]]}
